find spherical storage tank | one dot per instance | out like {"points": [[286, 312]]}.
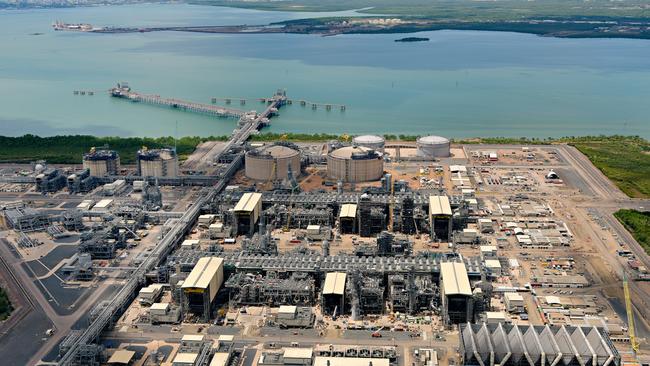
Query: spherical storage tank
{"points": [[272, 163], [355, 164], [370, 141], [433, 147]]}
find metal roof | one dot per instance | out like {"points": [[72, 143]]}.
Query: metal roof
{"points": [[432, 140], [293, 352], [350, 361], [192, 338], [454, 278], [121, 356], [220, 359], [348, 210], [368, 139], [159, 306], [185, 358], [248, 202], [104, 203], [348, 151], [203, 272], [278, 151], [334, 283], [498, 344], [287, 309], [439, 205]]}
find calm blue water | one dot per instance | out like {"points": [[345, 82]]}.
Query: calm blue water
{"points": [[460, 84]]}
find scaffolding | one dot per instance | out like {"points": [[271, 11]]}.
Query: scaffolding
{"points": [[27, 219], [250, 289]]}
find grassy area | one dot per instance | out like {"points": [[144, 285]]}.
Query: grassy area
{"points": [[5, 305], [626, 161], [638, 224], [69, 149]]}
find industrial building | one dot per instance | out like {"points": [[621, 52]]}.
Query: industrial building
{"points": [[455, 293], [433, 147], [157, 163], [26, 219], [50, 180], [247, 211], [334, 292], [350, 361], [121, 357], [516, 345], [202, 285], [101, 162], [272, 162], [348, 218], [353, 164], [373, 142], [440, 218], [514, 302]]}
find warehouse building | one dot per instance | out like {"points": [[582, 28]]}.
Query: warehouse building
{"points": [[272, 162], [455, 293], [298, 356], [247, 212], [201, 286], [440, 218], [353, 164], [334, 292], [516, 345], [514, 302], [348, 218]]}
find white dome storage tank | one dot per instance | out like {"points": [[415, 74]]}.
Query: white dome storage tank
{"points": [[433, 147], [370, 141]]}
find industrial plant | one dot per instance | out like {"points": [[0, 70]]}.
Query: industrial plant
{"points": [[354, 251]]}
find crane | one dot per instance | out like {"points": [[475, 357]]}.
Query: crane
{"points": [[630, 315]]}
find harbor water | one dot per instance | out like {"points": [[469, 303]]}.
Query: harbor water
{"points": [[459, 84]]}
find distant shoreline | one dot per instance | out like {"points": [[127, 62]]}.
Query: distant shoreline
{"points": [[338, 26]]}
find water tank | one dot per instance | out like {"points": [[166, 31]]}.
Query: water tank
{"points": [[433, 147], [272, 163], [370, 141], [355, 164]]}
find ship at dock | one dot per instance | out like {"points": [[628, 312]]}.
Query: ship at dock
{"points": [[80, 27]]}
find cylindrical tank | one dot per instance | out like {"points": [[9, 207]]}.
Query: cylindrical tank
{"points": [[370, 141], [272, 163], [157, 163], [101, 162], [433, 147], [355, 164]]}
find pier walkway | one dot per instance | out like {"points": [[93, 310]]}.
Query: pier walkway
{"points": [[123, 91]]}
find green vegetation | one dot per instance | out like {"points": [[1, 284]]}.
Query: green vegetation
{"points": [[69, 149], [638, 224], [298, 137], [624, 160], [469, 10], [5, 305]]}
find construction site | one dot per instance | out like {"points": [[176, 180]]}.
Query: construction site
{"points": [[355, 251]]}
